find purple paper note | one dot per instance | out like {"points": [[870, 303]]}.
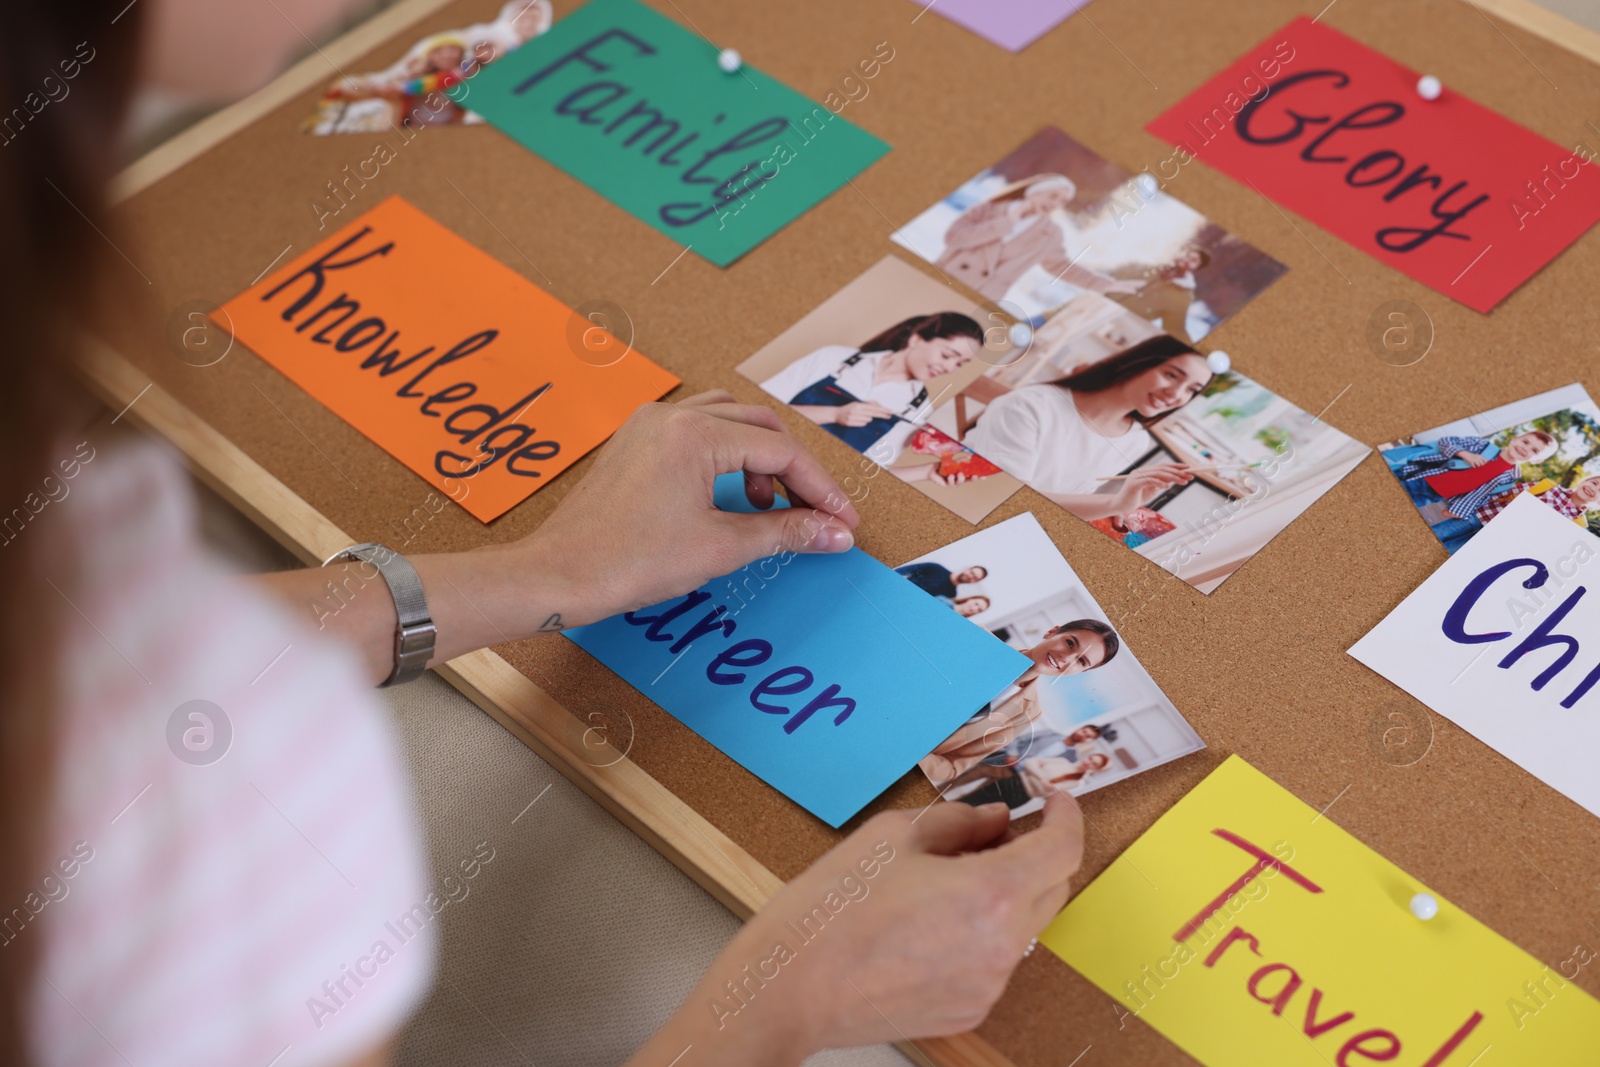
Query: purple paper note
{"points": [[1011, 24]]}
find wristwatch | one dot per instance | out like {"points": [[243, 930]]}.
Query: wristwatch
{"points": [[415, 633]]}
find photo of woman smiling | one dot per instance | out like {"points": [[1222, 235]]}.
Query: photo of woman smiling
{"points": [[874, 396], [1065, 437], [1070, 648]]}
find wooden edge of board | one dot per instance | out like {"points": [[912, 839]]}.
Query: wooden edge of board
{"points": [[674, 829], [1542, 22]]}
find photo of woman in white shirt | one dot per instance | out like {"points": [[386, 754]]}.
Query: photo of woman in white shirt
{"points": [[874, 397], [1064, 438]]}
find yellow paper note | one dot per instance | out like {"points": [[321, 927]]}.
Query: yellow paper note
{"points": [[1249, 930]]}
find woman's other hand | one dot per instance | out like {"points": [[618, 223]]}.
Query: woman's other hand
{"points": [[910, 927]]}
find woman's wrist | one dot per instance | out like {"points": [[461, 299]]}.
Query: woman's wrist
{"points": [[525, 588]]}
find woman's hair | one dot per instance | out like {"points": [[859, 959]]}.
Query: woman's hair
{"points": [[65, 73], [927, 327], [1100, 629], [1127, 364]]}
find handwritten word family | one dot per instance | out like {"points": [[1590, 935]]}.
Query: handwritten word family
{"points": [[586, 103]]}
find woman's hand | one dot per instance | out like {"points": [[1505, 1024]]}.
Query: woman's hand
{"points": [[929, 472], [1147, 483], [859, 413], [641, 528], [949, 481], [1137, 490], [910, 927]]}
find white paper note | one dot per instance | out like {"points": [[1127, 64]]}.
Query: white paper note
{"points": [[1504, 641]]}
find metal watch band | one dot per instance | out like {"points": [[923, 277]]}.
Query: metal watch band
{"points": [[415, 633]]}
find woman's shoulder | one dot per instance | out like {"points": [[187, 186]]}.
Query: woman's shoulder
{"points": [[985, 211], [831, 356], [1041, 397], [201, 727], [807, 368]]}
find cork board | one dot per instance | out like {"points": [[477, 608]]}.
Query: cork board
{"points": [[1258, 667]]}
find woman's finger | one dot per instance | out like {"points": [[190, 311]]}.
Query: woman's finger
{"points": [[748, 537], [1046, 858], [749, 414], [951, 829], [760, 490], [737, 447], [710, 396]]}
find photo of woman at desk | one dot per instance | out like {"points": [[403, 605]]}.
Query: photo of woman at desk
{"points": [[875, 395], [1168, 450], [1066, 437]]}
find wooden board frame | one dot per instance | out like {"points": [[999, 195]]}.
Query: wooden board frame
{"points": [[670, 825]]}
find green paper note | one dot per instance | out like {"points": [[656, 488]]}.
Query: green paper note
{"points": [[635, 107]]}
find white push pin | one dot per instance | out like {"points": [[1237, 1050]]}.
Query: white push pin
{"points": [[1424, 907], [1219, 362], [1429, 87], [1021, 335], [730, 60]]}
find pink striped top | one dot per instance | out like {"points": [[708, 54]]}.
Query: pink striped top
{"points": [[238, 881]]}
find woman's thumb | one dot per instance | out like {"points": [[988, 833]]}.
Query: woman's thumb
{"points": [[796, 530]]}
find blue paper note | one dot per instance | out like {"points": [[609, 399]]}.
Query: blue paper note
{"points": [[825, 676]]}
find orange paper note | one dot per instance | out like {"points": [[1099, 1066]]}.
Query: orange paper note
{"points": [[475, 378]]}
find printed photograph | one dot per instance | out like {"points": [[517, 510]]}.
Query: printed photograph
{"points": [[1053, 220], [1462, 474], [1168, 450], [871, 364], [1086, 714], [396, 97]]}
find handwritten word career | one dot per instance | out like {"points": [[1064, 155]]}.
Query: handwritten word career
{"points": [[728, 666]]}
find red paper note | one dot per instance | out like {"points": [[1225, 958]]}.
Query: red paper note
{"points": [[1447, 191]]}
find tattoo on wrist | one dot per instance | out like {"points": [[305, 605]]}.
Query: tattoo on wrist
{"points": [[552, 624]]}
